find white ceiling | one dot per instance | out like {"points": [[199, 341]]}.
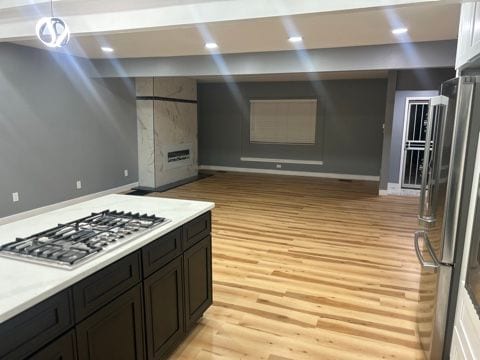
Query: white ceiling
{"points": [[429, 21]]}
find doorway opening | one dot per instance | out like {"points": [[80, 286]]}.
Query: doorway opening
{"points": [[415, 129]]}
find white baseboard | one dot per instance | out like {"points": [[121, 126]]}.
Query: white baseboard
{"points": [[289, 172], [59, 205], [396, 189]]}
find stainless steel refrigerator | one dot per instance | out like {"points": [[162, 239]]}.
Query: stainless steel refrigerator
{"points": [[452, 132]]}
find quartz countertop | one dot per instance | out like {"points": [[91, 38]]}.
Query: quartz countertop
{"points": [[24, 284]]}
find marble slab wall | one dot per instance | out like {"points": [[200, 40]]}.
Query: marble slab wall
{"points": [[166, 121], [175, 88], [145, 134], [175, 124], [144, 86]]}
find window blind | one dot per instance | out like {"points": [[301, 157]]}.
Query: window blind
{"points": [[291, 121]]}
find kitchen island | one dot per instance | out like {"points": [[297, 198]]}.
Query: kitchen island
{"points": [[135, 301]]}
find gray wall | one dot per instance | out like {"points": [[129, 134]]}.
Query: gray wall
{"points": [[57, 126], [349, 136], [423, 79], [387, 130]]}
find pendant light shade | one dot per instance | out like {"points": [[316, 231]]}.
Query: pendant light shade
{"points": [[53, 31]]}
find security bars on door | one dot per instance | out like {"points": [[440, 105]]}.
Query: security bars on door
{"points": [[414, 149]]}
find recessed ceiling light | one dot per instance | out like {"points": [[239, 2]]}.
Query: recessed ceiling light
{"points": [[107, 49], [295, 39], [211, 45], [399, 31]]}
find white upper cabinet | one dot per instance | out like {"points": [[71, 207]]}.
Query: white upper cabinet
{"points": [[468, 48]]}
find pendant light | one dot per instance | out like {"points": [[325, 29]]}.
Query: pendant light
{"points": [[52, 31]]}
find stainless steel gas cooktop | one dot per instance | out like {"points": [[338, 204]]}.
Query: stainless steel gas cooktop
{"points": [[69, 245]]}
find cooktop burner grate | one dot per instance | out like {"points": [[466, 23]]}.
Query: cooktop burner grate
{"points": [[68, 245]]}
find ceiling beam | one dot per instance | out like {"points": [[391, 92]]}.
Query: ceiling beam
{"points": [[378, 57]]}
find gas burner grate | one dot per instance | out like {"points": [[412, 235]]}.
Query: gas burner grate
{"points": [[70, 244]]}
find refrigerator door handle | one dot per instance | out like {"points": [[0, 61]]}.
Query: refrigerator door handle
{"points": [[434, 264], [426, 211]]}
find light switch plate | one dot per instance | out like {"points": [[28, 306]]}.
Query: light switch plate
{"points": [[79, 184], [125, 172], [15, 197]]}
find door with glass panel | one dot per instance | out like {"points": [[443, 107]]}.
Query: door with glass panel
{"points": [[416, 118]]}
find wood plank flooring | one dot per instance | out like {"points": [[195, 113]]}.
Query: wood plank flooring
{"points": [[306, 268]]}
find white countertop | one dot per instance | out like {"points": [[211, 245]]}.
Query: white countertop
{"points": [[24, 284]]}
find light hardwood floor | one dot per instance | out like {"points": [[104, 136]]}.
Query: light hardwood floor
{"points": [[306, 268]]}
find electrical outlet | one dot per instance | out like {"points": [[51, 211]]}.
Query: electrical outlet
{"points": [[15, 197], [79, 184], [125, 172], [279, 166]]}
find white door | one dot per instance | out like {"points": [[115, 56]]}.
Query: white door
{"points": [[466, 334]]}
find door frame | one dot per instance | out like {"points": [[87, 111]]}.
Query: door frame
{"points": [[405, 124]]}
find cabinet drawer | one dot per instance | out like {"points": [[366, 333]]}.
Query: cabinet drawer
{"points": [[161, 251], [105, 285], [196, 230], [64, 348], [29, 331]]}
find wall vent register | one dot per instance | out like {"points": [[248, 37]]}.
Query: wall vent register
{"points": [[71, 244]]}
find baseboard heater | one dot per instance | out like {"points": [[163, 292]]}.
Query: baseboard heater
{"points": [[282, 161], [289, 172]]}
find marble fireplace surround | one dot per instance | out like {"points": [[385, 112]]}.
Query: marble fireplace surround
{"points": [[166, 120]]}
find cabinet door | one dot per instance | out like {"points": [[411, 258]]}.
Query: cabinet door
{"points": [[465, 34], [115, 331], [475, 37], [64, 348], [164, 309], [198, 280], [468, 45]]}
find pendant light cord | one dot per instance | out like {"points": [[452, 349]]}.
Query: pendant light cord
{"points": [[51, 7]]}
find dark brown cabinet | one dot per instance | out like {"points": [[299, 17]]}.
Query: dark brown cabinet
{"points": [[139, 307], [29, 331], [164, 320], [198, 280], [115, 331], [64, 348], [196, 230], [161, 251], [99, 289]]}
